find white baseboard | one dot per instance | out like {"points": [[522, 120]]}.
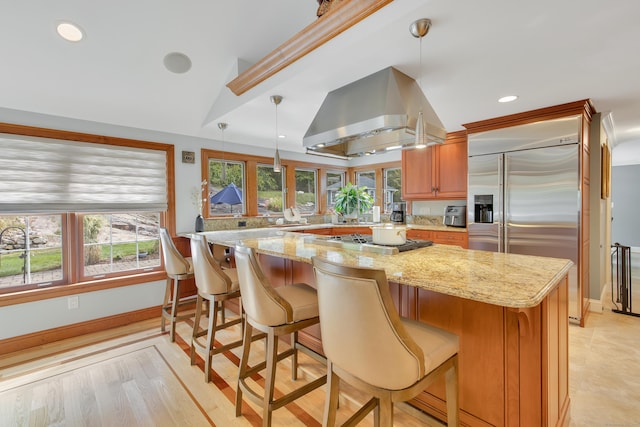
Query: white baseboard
{"points": [[597, 305]]}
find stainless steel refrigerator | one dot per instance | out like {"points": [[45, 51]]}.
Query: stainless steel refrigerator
{"points": [[524, 193]]}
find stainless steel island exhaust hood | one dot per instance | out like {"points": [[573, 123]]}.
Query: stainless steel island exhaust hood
{"points": [[371, 115]]}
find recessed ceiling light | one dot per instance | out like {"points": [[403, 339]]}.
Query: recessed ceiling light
{"points": [[177, 62], [70, 32], [394, 147], [282, 136], [508, 98], [320, 145]]}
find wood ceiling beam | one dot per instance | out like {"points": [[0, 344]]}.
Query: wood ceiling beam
{"points": [[346, 14]]}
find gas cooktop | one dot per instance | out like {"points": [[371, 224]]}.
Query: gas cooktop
{"points": [[365, 243]]}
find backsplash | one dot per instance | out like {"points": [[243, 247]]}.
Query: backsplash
{"points": [[215, 224]]}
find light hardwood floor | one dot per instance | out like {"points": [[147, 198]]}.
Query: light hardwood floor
{"points": [[134, 376]]}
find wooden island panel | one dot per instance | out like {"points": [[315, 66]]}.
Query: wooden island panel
{"points": [[509, 311]]}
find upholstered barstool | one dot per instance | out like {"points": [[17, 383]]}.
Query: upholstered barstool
{"points": [[369, 346], [215, 286], [276, 312], [178, 268]]}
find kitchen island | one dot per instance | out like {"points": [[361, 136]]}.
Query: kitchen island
{"points": [[510, 312]]}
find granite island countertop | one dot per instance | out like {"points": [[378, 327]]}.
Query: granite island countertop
{"points": [[507, 280]]}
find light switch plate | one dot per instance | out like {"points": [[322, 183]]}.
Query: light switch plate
{"points": [[188, 157]]}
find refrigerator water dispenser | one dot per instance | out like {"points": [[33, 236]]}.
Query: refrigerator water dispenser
{"points": [[483, 208]]}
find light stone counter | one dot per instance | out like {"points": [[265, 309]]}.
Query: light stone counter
{"points": [[506, 280]]}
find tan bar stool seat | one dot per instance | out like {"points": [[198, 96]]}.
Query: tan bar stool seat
{"points": [[276, 312], [215, 286], [178, 268], [369, 346]]}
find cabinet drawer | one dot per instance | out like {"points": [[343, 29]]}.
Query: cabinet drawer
{"points": [[420, 234], [351, 230], [450, 238]]}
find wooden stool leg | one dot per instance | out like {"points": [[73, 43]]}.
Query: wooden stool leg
{"points": [[270, 378], [174, 309], [196, 329], [211, 335], [383, 413], [294, 356], [165, 303], [332, 398], [453, 406], [244, 360]]}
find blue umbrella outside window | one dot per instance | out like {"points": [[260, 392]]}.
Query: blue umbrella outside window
{"points": [[230, 195]]}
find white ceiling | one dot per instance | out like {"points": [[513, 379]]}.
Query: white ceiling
{"points": [[548, 52]]}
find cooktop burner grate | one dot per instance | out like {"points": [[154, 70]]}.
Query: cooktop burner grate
{"points": [[366, 239]]}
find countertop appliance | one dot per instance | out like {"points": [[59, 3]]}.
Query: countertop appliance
{"points": [[524, 193], [398, 213], [455, 216]]}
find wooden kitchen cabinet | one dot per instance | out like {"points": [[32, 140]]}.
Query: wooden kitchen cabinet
{"points": [[450, 238], [350, 230], [437, 172], [442, 237]]}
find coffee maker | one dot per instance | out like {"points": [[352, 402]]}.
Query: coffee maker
{"points": [[398, 212]]}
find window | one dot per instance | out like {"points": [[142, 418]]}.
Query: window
{"points": [[367, 179], [335, 180], [270, 194], [392, 188], [226, 187], [31, 251], [122, 242], [306, 184], [79, 211]]}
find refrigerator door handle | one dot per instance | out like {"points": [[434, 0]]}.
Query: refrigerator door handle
{"points": [[500, 203], [505, 203]]}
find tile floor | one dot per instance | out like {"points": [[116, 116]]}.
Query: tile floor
{"points": [[604, 367]]}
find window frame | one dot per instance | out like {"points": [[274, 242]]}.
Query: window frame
{"points": [[379, 171], [72, 252], [283, 175], [207, 207], [251, 179], [385, 171], [343, 179]]}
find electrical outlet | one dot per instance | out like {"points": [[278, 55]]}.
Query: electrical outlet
{"points": [[72, 302], [242, 223]]}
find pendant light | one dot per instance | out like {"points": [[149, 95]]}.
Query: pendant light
{"points": [[223, 173], [419, 29], [277, 166]]}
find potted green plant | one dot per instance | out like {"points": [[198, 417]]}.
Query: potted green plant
{"points": [[349, 197]]}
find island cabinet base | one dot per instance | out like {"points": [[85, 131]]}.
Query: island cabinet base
{"points": [[513, 363]]}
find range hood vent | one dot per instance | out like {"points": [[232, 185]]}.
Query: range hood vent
{"points": [[371, 115]]}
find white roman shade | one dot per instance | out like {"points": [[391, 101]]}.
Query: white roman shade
{"points": [[50, 175]]}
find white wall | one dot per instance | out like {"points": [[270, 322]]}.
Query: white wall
{"points": [[21, 319], [625, 199]]}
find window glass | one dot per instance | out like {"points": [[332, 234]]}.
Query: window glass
{"points": [[335, 180], [392, 188], [367, 179], [306, 201], [226, 187], [119, 242], [30, 251], [270, 195]]}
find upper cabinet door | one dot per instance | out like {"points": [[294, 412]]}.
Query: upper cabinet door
{"points": [[417, 174], [452, 171], [437, 172]]}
